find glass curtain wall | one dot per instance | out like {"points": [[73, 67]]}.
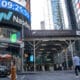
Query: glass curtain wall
{"points": [[56, 11], [76, 7]]}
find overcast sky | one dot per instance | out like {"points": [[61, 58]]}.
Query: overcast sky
{"points": [[36, 12]]}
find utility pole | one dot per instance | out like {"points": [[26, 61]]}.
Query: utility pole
{"points": [[34, 56], [22, 50]]}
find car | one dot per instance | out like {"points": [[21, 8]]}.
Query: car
{"points": [[4, 70]]}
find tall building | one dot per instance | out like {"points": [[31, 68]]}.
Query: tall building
{"points": [[47, 14], [53, 12], [76, 8], [73, 7], [57, 20], [58, 14], [65, 15], [72, 12], [42, 25]]}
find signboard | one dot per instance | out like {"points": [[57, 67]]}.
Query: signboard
{"points": [[12, 5], [31, 58], [13, 38], [9, 17], [24, 3], [78, 33]]}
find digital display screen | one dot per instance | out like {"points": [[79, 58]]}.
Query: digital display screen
{"points": [[31, 58], [24, 3], [12, 18], [9, 4]]}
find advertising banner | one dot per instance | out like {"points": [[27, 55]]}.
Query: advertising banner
{"points": [[20, 6], [24, 3], [12, 18]]}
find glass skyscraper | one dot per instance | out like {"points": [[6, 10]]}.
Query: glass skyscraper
{"points": [[76, 7], [57, 20], [72, 11], [73, 7], [60, 17]]}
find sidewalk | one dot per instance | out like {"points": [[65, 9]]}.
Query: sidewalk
{"points": [[45, 72], [56, 75]]}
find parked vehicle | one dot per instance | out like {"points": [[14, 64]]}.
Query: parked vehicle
{"points": [[4, 70]]}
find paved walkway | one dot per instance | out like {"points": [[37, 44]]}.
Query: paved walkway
{"points": [[59, 75]]}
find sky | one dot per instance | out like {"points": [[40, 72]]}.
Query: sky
{"points": [[36, 13]]}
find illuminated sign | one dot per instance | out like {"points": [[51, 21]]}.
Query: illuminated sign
{"points": [[15, 7], [13, 38], [20, 21], [12, 18], [5, 16], [21, 2], [31, 58], [24, 3]]}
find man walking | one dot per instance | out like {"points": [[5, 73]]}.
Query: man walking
{"points": [[76, 63]]}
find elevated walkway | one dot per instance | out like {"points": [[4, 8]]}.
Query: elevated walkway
{"points": [[52, 35]]}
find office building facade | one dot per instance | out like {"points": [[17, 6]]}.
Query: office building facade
{"points": [[57, 20], [47, 15], [73, 8], [60, 17], [76, 12], [76, 7]]}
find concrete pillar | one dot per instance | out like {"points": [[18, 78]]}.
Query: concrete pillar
{"points": [[34, 55]]}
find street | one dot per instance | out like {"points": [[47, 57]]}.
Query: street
{"points": [[59, 75]]}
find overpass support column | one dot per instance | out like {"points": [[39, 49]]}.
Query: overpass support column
{"points": [[22, 50], [22, 58], [71, 48], [34, 46], [67, 66]]}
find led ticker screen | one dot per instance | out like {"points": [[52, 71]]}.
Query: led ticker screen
{"points": [[24, 3], [9, 4], [12, 18]]}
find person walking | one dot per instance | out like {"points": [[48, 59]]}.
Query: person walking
{"points": [[76, 63]]}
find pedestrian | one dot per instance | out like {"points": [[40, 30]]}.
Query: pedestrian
{"points": [[76, 63], [13, 74]]}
